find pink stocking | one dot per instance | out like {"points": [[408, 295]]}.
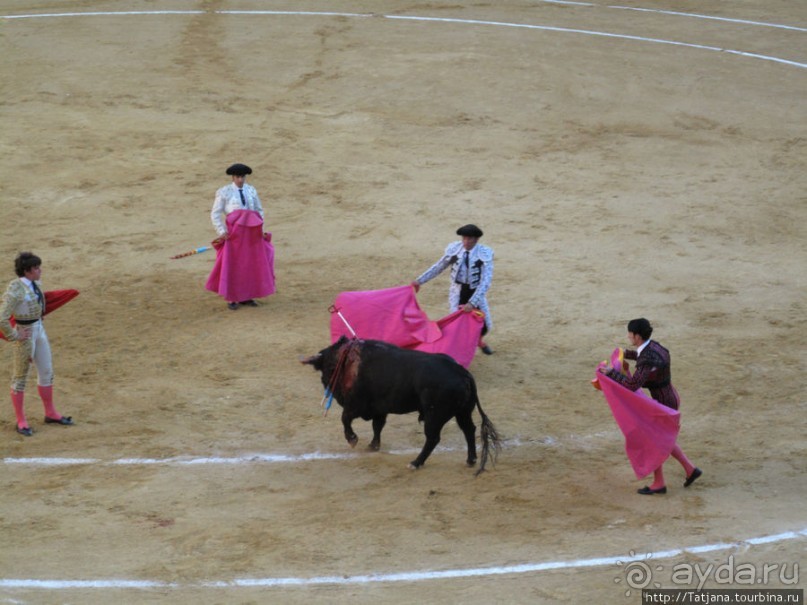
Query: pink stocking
{"points": [[17, 399], [683, 460], [658, 479], [46, 393]]}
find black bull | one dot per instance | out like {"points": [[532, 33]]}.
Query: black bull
{"points": [[371, 379]]}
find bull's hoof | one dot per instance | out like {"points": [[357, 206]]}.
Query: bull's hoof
{"points": [[413, 466], [374, 446], [353, 441], [470, 462]]}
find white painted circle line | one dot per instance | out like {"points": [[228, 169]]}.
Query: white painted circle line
{"points": [[710, 17], [209, 460], [257, 457], [605, 35], [297, 13], [677, 14], [410, 576], [102, 14], [443, 20], [64, 584], [564, 2]]}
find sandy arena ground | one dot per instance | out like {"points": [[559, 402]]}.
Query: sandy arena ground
{"points": [[615, 176]]}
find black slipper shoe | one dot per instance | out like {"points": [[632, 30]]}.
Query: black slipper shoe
{"points": [[646, 491], [693, 477]]}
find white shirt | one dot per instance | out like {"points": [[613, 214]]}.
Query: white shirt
{"points": [[641, 348], [28, 283]]}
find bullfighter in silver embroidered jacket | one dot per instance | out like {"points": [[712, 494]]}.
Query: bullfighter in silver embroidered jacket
{"points": [[471, 275]]}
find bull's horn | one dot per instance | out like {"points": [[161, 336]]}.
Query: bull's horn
{"points": [[309, 360]]}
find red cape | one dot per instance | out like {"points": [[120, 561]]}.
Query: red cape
{"points": [[53, 300]]}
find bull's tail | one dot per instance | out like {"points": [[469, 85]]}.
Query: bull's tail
{"points": [[491, 441]]}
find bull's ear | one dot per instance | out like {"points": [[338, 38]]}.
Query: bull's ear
{"points": [[310, 360]]}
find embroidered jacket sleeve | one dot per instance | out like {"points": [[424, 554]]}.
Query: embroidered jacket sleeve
{"points": [[217, 215], [651, 369], [486, 256], [449, 258], [15, 294]]}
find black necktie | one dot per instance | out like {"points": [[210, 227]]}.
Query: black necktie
{"points": [[465, 260], [39, 296], [243, 200]]}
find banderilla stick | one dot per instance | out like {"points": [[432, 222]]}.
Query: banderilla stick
{"points": [[192, 252], [327, 400], [333, 309]]}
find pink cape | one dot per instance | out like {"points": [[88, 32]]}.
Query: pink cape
{"points": [[460, 337], [393, 315], [245, 264], [650, 429]]}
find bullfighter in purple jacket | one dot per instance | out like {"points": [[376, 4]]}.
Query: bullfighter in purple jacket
{"points": [[653, 373]]}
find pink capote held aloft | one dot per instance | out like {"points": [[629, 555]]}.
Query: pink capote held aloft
{"points": [[650, 429], [245, 264], [393, 315]]}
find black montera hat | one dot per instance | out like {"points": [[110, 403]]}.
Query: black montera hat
{"points": [[239, 170], [470, 231]]}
